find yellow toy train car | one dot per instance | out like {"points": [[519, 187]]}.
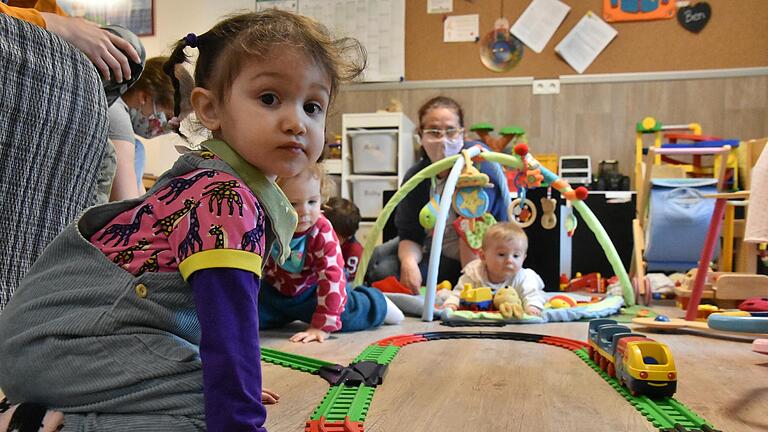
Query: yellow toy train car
{"points": [[643, 365]]}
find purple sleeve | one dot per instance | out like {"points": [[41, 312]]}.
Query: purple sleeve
{"points": [[227, 307]]}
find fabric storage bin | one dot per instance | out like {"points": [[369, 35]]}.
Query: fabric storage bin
{"points": [[367, 195], [374, 151], [364, 231]]}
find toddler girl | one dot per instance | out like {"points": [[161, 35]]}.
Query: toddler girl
{"points": [[143, 314]]}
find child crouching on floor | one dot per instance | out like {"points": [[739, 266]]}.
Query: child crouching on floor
{"points": [[311, 286], [345, 218], [501, 266]]}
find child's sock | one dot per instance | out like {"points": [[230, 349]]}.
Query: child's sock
{"points": [[394, 314]]}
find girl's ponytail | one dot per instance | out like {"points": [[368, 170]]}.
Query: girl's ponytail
{"points": [[177, 56]]}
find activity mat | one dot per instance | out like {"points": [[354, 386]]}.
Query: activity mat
{"points": [[345, 405], [610, 305]]}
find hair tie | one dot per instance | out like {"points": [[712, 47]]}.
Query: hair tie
{"points": [[191, 40]]}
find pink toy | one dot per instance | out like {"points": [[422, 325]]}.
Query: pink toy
{"points": [[760, 346], [755, 304]]}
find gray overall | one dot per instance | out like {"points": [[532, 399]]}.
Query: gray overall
{"points": [[113, 351]]}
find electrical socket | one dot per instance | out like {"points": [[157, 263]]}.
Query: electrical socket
{"points": [[546, 86]]}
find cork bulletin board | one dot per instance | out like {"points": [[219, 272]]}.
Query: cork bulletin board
{"points": [[736, 36]]}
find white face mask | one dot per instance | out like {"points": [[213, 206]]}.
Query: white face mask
{"points": [[438, 149], [452, 146]]}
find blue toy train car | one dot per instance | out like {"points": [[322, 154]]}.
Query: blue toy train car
{"points": [[643, 365]]}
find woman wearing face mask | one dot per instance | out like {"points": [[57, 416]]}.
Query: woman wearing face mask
{"points": [[441, 132], [146, 111]]}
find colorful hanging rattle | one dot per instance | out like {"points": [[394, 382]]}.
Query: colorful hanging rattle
{"points": [[522, 210], [471, 203]]}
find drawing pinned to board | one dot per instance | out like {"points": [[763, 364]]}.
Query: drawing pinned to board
{"points": [[499, 50], [694, 18], [637, 10]]}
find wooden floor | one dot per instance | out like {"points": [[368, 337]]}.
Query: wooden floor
{"points": [[495, 385]]}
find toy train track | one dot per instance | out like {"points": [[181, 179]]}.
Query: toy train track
{"points": [[346, 403]]}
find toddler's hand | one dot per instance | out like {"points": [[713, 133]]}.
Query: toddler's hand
{"points": [[268, 397], [311, 334], [451, 306], [532, 310]]}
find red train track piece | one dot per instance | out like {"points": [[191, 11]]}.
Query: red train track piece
{"points": [[401, 340], [322, 425], [566, 343]]}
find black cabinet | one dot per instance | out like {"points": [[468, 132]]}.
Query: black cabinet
{"points": [[615, 211], [544, 244]]}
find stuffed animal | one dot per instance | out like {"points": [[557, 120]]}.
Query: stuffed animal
{"points": [[508, 302]]}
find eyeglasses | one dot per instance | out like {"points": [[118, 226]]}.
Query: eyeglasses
{"points": [[451, 133]]}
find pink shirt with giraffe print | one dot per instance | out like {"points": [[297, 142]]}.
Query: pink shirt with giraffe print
{"points": [[324, 269], [202, 210]]}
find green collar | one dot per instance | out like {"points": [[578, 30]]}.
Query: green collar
{"points": [[281, 214]]}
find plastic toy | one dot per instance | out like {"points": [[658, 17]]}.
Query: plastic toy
{"points": [[560, 302], [592, 282], [738, 323], [470, 202], [755, 304], [643, 365], [480, 298], [390, 284], [516, 162], [507, 135], [609, 178], [760, 346], [428, 214], [507, 302]]}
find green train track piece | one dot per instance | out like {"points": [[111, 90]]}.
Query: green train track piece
{"points": [[342, 402], [379, 354], [293, 361], [667, 414]]}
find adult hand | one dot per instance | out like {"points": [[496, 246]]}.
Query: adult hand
{"points": [[410, 276], [269, 397], [105, 50], [309, 335]]}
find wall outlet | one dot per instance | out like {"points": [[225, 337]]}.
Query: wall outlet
{"points": [[547, 86]]}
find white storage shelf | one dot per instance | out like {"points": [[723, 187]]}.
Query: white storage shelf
{"points": [[376, 151]]}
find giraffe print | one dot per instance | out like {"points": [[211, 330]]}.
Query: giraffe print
{"points": [[150, 265], [224, 191], [221, 236], [123, 232], [187, 246], [178, 185], [251, 239], [167, 223], [125, 256]]}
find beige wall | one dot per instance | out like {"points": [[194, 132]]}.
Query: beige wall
{"points": [[593, 119], [175, 18]]}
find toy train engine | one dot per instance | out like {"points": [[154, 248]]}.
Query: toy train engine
{"points": [[641, 364], [476, 298]]}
